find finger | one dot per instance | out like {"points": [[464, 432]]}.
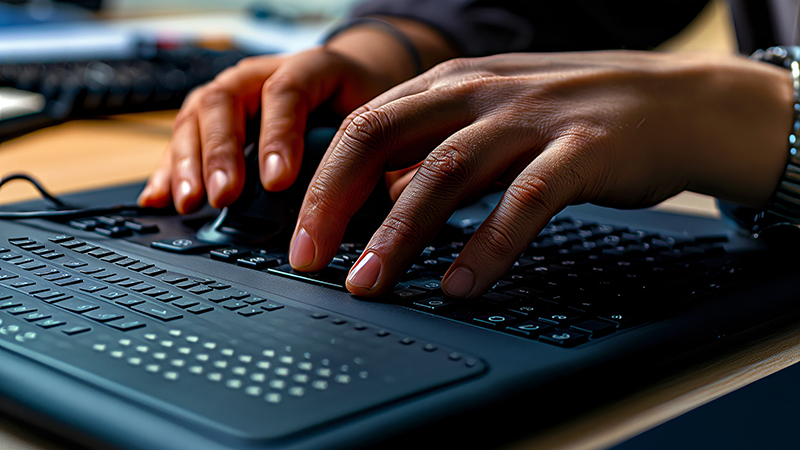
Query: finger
{"points": [[186, 167], [397, 181], [445, 80], [466, 163], [555, 179], [221, 122], [158, 190], [372, 143], [288, 96], [240, 86], [400, 93]]}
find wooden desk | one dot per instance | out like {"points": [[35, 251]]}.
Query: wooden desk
{"points": [[95, 153]]}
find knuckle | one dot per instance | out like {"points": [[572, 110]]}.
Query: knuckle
{"points": [[318, 196], [212, 96], [456, 65], [403, 229], [218, 146], [590, 154], [497, 241], [368, 131], [533, 193], [219, 155], [448, 164], [280, 82]]}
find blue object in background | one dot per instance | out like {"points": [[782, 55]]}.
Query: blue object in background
{"points": [[40, 13], [762, 415]]}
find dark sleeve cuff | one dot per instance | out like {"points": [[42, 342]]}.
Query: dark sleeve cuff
{"points": [[487, 27], [474, 30]]}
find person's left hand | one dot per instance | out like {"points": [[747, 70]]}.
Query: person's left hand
{"points": [[622, 129]]}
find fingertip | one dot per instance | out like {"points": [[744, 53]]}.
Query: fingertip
{"points": [[274, 175], [364, 278], [459, 283], [156, 193], [303, 251], [186, 197], [219, 189]]}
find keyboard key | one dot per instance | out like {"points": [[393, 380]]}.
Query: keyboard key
{"points": [[594, 328], [50, 323], [33, 317], [101, 315], [71, 331], [156, 311], [270, 306], [258, 262], [185, 303], [78, 306], [71, 281], [6, 304], [200, 309], [230, 254], [139, 227], [92, 288], [432, 303], [52, 296], [113, 232], [129, 301], [530, 328], [494, 320], [233, 305], [183, 245], [563, 338], [126, 325], [18, 310], [426, 285], [248, 312]]}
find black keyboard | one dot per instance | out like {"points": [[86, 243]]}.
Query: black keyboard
{"points": [[231, 343], [578, 281], [157, 79]]}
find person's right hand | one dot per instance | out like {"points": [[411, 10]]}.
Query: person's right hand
{"points": [[205, 159], [622, 129]]}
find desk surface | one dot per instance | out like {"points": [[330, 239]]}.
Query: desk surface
{"points": [[95, 153]]}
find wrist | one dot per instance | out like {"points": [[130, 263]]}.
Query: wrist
{"points": [[739, 131], [394, 49]]}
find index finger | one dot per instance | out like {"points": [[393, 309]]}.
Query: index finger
{"points": [[368, 144]]}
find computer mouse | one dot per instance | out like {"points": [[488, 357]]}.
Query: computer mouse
{"points": [[258, 216]]}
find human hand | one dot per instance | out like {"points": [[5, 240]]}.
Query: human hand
{"points": [[621, 129], [204, 157]]}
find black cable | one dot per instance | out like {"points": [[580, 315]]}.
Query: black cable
{"points": [[67, 212], [21, 176], [70, 214]]}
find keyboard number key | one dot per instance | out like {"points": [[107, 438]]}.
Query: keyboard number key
{"points": [[563, 338]]}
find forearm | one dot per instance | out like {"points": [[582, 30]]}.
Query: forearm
{"points": [[385, 55]]}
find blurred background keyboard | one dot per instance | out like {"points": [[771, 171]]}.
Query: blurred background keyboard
{"points": [[158, 78], [62, 60]]}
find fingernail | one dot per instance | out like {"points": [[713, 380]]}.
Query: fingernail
{"points": [[217, 182], [365, 274], [303, 250], [184, 190], [273, 166], [144, 196], [459, 283]]}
